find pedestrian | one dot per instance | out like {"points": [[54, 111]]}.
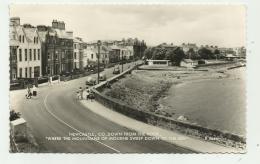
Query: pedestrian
{"points": [[58, 78], [81, 92], [50, 80], [34, 90], [49, 83], [87, 94], [29, 94]]}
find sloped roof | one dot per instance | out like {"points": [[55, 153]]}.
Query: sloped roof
{"points": [[42, 35], [188, 61], [30, 33], [77, 40]]}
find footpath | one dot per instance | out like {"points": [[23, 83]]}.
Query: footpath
{"points": [[166, 135]]}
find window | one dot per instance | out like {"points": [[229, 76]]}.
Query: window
{"points": [[75, 55], [48, 70], [20, 72], [23, 38], [25, 54], [39, 54], [30, 72], [34, 54], [75, 46], [30, 54], [62, 54], [33, 39], [91, 56], [25, 70], [20, 38], [20, 54], [49, 56], [36, 71]]}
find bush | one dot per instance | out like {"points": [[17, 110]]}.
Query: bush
{"points": [[14, 115]]}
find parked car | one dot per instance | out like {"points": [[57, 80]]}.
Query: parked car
{"points": [[116, 70], [91, 81], [102, 77]]}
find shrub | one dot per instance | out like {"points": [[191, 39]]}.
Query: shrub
{"points": [[14, 115]]}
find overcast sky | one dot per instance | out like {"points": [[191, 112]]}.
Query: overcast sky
{"points": [[221, 25]]}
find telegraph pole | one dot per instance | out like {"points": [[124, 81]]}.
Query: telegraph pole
{"points": [[122, 63], [98, 44]]}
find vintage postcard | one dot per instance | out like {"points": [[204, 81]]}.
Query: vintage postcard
{"points": [[127, 78]]}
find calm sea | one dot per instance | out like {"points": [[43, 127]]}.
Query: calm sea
{"points": [[217, 104]]}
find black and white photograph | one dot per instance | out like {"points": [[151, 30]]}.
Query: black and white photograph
{"points": [[127, 78]]}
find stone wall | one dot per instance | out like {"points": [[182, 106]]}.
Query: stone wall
{"points": [[166, 122]]}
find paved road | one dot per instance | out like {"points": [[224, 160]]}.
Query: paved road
{"points": [[56, 113]]}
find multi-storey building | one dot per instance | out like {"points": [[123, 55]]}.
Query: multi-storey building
{"points": [[78, 53], [91, 54], [13, 45], [57, 49], [28, 51]]}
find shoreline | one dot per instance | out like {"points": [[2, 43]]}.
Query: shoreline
{"points": [[179, 80], [183, 83]]}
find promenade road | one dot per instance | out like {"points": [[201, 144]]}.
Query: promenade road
{"points": [[56, 112]]}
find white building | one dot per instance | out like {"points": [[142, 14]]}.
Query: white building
{"points": [[129, 52], [77, 53], [90, 55], [188, 63], [158, 62], [28, 51]]}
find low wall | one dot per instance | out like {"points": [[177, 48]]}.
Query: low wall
{"points": [[21, 138], [166, 122], [162, 121], [215, 64]]}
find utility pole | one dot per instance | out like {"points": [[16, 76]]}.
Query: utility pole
{"points": [[122, 62], [98, 44]]}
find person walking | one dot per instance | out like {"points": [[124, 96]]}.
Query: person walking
{"points": [[87, 94], [81, 92], [29, 94]]}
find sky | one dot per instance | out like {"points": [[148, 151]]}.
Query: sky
{"points": [[220, 25]]}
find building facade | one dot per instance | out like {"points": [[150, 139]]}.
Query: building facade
{"points": [[28, 53], [57, 49], [78, 53]]}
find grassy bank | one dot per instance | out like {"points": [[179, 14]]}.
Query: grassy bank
{"points": [[144, 90]]}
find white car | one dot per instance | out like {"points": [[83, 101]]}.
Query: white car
{"points": [[91, 81]]}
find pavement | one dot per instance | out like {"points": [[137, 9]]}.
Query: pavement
{"points": [[56, 112], [171, 137]]}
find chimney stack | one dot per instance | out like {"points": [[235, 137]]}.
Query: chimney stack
{"points": [[15, 21]]}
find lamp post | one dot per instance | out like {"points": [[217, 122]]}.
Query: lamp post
{"points": [[98, 44], [122, 61]]}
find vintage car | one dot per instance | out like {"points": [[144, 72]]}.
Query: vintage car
{"points": [[116, 70], [91, 81], [102, 77]]}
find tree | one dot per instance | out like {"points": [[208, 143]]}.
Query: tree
{"points": [[179, 55], [205, 53], [191, 54], [14, 115], [139, 48], [148, 53]]}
